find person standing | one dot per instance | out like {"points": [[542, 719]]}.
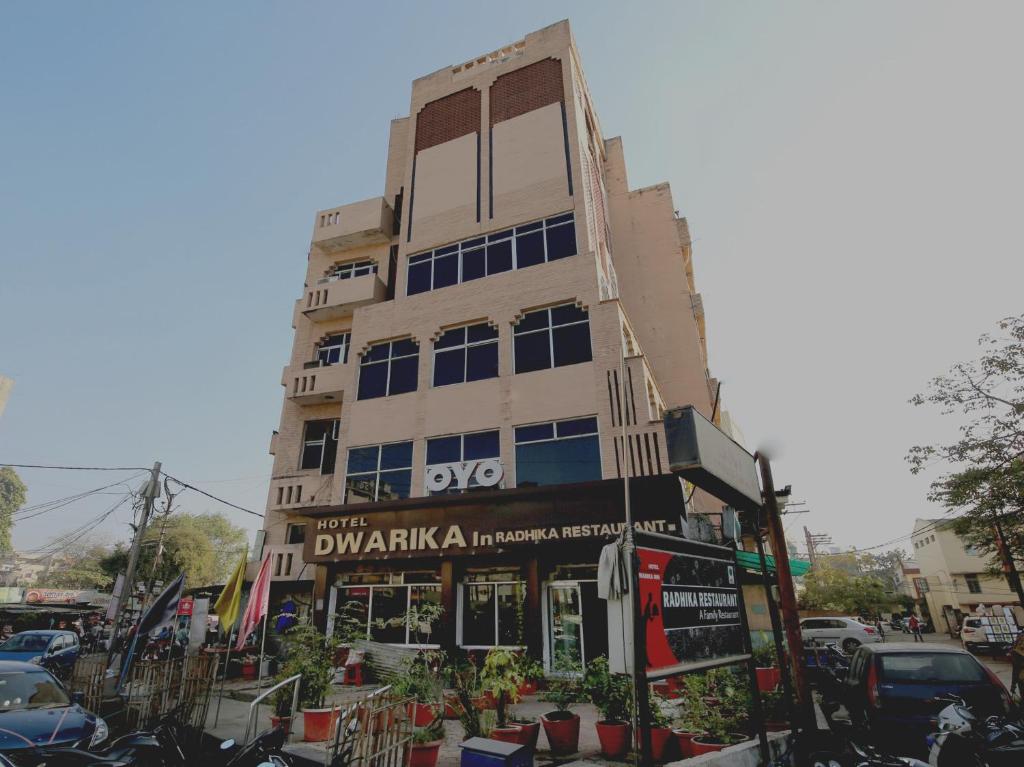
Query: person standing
{"points": [[879, 628], [1017, 659], [915, 628]]}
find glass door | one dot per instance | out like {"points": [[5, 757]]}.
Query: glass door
{"points": [[565, 625]]}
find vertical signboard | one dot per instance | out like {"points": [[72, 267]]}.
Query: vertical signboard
{"points": [[690, 605]]}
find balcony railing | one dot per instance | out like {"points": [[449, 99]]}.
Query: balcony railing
{"points": [[314, 384], [338, 299], [351, 226]]}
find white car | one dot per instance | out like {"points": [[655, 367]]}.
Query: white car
{"points": [[846, 632]]}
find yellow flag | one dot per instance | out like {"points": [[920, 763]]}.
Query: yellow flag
{"points": [[230, 601]]}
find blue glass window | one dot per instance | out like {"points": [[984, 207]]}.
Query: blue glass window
{"points": [[388, 368], [466, 354], [334, 349], [379, 472], [523, 246], [552, 338], [458, 448], [557, 453]]}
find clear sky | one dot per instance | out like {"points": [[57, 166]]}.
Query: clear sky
{"points": [[851, 173]]}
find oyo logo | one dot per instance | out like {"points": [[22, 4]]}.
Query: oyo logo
{"points": [[443, 476]]}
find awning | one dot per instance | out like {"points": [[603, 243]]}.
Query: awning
{"points": [[752, 561]]}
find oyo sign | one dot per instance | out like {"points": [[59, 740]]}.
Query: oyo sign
{"points": [[443, 476]]}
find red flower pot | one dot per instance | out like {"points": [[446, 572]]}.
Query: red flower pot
{"points": [[699, 747], [510, 734], [529, 732], [562, 729], [424, 754], [660, 737], [452, 707], [768, 678], [423, 713], [529, 687], [614, 737], [318, 723], [248, 671], [684, 739], [284, 722]]}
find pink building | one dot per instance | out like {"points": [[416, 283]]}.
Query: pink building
{"points": [[469, 348]]}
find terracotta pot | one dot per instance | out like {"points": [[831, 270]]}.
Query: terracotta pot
{"points": [[684, 738], [423, 713], [768, 678], [529, 732], [529, 687], [248, 671], [424, 754], [614, 737], [562, 729], [318, 724], [452, 707], [510, 734], [660, 736], [489, 700], [480, 703], [705, 747], [284, 722]]}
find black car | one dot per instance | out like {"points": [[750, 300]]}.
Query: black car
{"points": [[36, 710], [892, 690]]}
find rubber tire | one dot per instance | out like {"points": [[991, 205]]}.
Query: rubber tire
{"points": [[850, 644]]}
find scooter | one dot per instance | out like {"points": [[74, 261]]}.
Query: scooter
{"points": [[964, 741]]}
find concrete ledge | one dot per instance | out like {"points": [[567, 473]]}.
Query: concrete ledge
{"points": [[746, 754]]}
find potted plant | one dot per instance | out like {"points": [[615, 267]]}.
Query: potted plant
{"points": [[500, 676], [660, 725], [719, 735], [768, 673], [532, 672], [529, 729], [419, 678], [465, 681], [311, 655], [282, 701], [776, 715], [690, 716], [561, 726], [725, 721], [249, 666], [426, 743], [612, 695]]}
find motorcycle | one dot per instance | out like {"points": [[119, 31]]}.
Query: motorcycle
{"points": [[964, 741]]}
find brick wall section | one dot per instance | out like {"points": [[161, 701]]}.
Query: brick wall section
{"points": [[448, 118], [531, 87]]}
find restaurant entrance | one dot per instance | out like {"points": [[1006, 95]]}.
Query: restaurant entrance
{"points": [[576, 624]]}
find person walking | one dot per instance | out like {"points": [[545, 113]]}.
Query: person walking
{"points": [[1017, 659], [879, 628], [915, 628]]}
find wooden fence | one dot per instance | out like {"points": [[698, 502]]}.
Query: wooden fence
{"points": [[155, 688], [373, 731]]}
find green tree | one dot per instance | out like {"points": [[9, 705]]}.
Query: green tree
{"points": [[81, 570], [206, 546], [834, 589], [12, 496], [986, 481]]}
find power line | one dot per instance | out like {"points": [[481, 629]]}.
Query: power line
{"points": [[213, 497], [72, 468], [38, 509]]}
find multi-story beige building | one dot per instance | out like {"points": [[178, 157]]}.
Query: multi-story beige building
{"points": [[469, 349], [953, 580]]}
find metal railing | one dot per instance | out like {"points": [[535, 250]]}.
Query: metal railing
{"points": [[253, 707], [372, 731]]}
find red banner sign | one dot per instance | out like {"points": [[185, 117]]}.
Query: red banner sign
{"points": [[185, 605]]}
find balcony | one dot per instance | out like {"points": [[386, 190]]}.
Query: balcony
{"points": [[286, 562], [313, 384], [351, 226], [339, 298]]}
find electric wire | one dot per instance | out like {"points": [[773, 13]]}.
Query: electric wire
{"points": [[72, 468], [212, 496], [38, 509]]}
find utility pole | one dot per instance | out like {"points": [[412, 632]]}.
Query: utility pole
{"points": [[787, 596], [813, 539], [1009, 566], [810, 545], [150, 493]]}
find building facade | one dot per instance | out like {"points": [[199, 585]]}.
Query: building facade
{"points": [[480, 354], [953, 580]]}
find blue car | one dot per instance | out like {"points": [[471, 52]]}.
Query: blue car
{"points": [[36, 710], [894, 690], [54, 650]]}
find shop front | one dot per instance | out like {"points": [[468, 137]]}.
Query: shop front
{"points": [[491, 568]]}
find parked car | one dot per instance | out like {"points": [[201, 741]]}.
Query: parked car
{"points": [[974, 638], [848, 633], [54, 650], [36, 709], [893, 690]]}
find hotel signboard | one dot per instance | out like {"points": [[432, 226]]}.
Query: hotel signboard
{"points": [[467, 530]]}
